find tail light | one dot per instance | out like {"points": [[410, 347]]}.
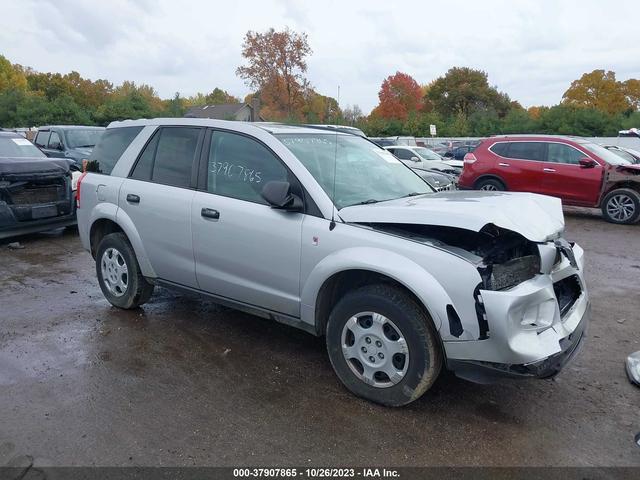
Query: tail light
{"points": [[78, 189], [470, 158]]}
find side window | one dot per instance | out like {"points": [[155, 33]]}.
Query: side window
{"points": [[42, 139], [526, 150], [392, 150], [174, 156], [499, 148], [561, 153], [239, 167], [144, 166], [54, 140], [404, 154], [110, 147]]}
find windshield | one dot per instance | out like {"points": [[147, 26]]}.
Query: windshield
{"points": [[365, 173], [18, 147], [623, 154], [606, 155], [427, 154], [78, 138]]}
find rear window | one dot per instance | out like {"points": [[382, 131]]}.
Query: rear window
{"points": [[526, 151], [110, 148]]}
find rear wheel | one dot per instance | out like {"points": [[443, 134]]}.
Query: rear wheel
{"points": [[621, 206], [119, 274], [490, 185], [383, 346]]}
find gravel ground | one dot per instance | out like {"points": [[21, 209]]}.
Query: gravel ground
{"points": [[185, 382]]}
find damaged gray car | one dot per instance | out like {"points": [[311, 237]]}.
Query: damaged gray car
{"points": [[329, 233], [35, 191]]}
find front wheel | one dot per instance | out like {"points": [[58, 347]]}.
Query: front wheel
{"points": [[383, 346], [119, 274], [621, 206]]}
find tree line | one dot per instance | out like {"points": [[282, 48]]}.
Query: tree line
{"points": [[459, 103]]}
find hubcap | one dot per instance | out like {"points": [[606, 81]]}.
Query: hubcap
{"points": [[489, 187], [115, 273], [375, 349], [621, 207]]}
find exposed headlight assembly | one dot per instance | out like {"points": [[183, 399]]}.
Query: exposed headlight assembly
{"points": [[499, 276]]}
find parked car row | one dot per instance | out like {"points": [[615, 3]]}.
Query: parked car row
{"points": [[573, 169]]}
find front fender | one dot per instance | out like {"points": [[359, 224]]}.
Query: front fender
{"points": [[403, 270]]}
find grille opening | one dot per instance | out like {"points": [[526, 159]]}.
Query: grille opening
{"points": [[567, 292]]}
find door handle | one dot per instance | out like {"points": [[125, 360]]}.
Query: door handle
{"points": [[131, 198], [504, 164], [210, 213], [548, 170]]}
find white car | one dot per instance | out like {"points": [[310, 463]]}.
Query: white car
{"points": [[422, 157]]}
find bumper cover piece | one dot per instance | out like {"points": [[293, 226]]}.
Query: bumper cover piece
{"points": [[488, 372]]}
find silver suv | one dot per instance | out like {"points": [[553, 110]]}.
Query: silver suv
{"points": [[328, 232]]}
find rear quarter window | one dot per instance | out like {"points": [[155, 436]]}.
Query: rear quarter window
{"points": [[499, 148], [110, 148]]}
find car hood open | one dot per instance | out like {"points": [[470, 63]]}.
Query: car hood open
{"points": [[536, 217]]}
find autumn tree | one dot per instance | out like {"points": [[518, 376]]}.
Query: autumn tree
{"points": [[276, 63], [599, 90], [11, 76], [463, 90], [399, 96]]}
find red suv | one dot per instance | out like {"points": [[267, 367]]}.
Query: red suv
{"points": [[579, 172]]}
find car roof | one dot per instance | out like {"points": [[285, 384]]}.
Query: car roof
{"points": [[10, 134], [540, 137], [71, 127], [271, 127]]}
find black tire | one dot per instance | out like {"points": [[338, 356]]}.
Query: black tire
{"points": [[490, 184], [425, 355], [611, 206], [138, 290]]}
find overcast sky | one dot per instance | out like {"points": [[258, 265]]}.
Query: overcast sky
{"points": [[531, 49]]}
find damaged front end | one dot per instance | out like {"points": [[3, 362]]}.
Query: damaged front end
{"points": [[531, 304], [35, 195]]}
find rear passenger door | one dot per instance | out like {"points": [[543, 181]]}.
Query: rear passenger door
{"points": [[244, 249], [157, 196], [520, 165]]}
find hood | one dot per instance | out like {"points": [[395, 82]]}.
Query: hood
{"points": [[21, 166], [536, 217], [80, 153], [428, 165], [633, 169]]}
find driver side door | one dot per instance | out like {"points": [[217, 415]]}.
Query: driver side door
{"points": [[245, 250]]}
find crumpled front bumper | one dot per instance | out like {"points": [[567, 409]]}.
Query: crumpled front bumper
{"points": [[534, 329]]}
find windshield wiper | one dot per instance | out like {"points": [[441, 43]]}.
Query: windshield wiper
{"points": [[83, 146], [367, 202]]}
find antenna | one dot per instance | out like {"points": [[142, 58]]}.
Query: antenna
{"points": [[332, 225]]}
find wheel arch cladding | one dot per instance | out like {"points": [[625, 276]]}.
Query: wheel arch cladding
{"points": [[122, 222], [365, 265]]}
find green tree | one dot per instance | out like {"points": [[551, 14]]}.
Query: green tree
{"points": [[463, 90], [11, 76]]}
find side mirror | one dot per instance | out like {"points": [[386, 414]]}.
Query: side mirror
{"points": [[587, 163], [415, 159], [278, 195]]}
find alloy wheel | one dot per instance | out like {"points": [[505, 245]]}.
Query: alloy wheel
{"points": [[621, 207]]}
